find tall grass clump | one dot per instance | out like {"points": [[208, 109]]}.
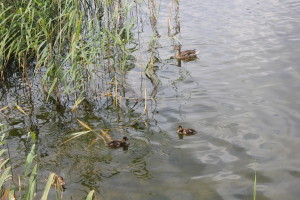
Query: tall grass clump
{"points": [[68, 42]]}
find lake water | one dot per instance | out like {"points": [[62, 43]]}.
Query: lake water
{"points": [[241, 95]]}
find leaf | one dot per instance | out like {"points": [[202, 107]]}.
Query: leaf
{"points": [[77, 102], [11, 195], [20, 109], [84, 125], [29, 160], [75, 136], [4, 108], [5, 175], [52, 88], [2, 152], [31, 185], [33, 135], [48, 186], [3, 163], [90, 195]]}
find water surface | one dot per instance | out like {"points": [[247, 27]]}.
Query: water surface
{"points": [[241, 95]]}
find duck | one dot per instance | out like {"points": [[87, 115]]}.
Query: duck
{"points": [[61, 181], [58, 181], [185, 131], [118, 143], [186, 54]]}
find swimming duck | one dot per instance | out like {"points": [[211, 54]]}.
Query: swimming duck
{"points": [[185, 131], [186, 54], [118, 143]]}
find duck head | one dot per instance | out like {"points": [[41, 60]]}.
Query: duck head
{"points": [[179, 129], [177, 47]]}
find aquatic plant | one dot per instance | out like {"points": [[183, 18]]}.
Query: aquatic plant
{"points": [[254, 186], [23, 190], [65, 41]]}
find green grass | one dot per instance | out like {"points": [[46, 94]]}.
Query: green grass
{"points": [[65, 41], [254, 187]]}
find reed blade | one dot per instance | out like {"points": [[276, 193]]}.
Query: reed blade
{"points": [[48, 186], [84, 125], [90, 195], [20, 109]]}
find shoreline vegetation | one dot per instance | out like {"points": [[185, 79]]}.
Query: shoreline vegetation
{"points": [[74, 52], [25, 186]]}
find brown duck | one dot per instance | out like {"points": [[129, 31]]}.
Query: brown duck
{"points": [[186, 54], [185, 131], [59, 181], [118, 143]]}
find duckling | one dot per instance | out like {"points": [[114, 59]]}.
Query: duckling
{"points": [[185, 131], [186, 54], [59, 181], [118, 143]]}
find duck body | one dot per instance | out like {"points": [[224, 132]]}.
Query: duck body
{"points": [[185, 131], [118, 143], [186, 54]]}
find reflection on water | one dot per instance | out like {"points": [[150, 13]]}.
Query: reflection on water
{"points": [[240, 95]]}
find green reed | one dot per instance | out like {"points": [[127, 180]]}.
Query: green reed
{"points": [[66, 41], [254, 187], [77, 50]]}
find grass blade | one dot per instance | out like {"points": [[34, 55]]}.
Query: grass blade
{"points": [[52, 87], [29, 160], [20, 109], [48, 186], [254, 187], [84, 125], [31, 188], [2, 152], [3, 163], [5, 175], [4, 108], [90, 195], [77, 102], [75, 136], [11, 195]]}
